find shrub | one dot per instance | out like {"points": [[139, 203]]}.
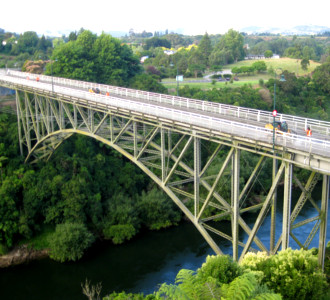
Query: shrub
{"points": [[327, 262], [292, 273], [69, 241], [220, 267], [119, 233]]}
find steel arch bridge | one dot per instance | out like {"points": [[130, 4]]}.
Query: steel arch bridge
{"points": [[191, 152]]}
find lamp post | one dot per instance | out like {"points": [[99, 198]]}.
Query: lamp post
{"points": [[51, 71], [177, 78], [282, 79]]}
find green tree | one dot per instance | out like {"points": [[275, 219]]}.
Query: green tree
{"points": [[268, 53], [221, 267], [147, 82], [321, 77], [27, 42], [115, 63], [205, 49], [259, 66], [230, 47], [304, 63], [69, 242], [119, 233], [196, 63], [99, 59], [157, 42], [294, 274]]}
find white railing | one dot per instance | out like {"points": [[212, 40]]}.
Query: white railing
{"points": [[251, 115], [311, 145]]}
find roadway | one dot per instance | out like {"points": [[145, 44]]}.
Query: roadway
{"points": [[236, 121]]}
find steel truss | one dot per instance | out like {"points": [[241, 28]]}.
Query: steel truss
{"points": [[192, 166]]}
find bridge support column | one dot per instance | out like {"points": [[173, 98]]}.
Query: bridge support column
{"points": [[286, 205], [162, 153], [19, 123], [324, 218], [235, 200], [135, 137], [197, 170], [273, 210]]}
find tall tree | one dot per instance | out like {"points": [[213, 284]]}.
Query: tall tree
{"points": [[230, 47], [205, 49], [101, 59]]}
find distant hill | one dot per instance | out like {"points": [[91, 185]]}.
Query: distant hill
{"points": [[298, 30]]}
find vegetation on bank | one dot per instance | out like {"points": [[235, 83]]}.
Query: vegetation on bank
{"points": [[290, 274], [85, 183]]}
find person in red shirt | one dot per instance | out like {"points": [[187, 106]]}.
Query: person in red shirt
{"points": [[308, 131]]}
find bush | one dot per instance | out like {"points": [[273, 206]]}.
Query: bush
{"points": [[327, 262], [69, 242], [292, 273], [119, 233], [220, 267]]}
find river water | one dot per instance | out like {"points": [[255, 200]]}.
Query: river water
{"points": [[140, 265]]}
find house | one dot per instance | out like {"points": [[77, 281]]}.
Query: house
{"points": [[143, 58]]}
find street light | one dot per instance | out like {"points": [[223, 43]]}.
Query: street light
{"points": [[282, 79], [178, 78]]}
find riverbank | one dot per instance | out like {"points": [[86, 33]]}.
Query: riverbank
{"points": [[20, 255]]}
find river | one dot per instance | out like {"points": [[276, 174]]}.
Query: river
{"points": [[140, 265]]}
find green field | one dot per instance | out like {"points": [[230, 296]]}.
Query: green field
{"points": [[290, 64]]}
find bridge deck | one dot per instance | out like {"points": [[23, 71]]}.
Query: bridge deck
{"points": [[217, 120]]}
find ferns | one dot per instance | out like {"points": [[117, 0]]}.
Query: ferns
{"points": [[268, 296], [190, 286], [241, 287], [293, 273]]}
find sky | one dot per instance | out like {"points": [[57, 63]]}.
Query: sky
{"points": [[186, 17]]}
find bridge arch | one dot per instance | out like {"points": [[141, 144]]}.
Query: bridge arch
{"points": [[67, 133]]}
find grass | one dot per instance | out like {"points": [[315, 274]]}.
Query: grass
{"points": [[207, 85], [290, 64]]}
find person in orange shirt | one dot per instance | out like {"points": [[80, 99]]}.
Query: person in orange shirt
{"points": [[308, 131]]}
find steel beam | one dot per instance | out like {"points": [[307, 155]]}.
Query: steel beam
{"points": [[235, 200], [324, 220], [286, 205]]}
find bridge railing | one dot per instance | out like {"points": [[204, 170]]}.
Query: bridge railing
{"points": [[297, 124], [217, 125]]}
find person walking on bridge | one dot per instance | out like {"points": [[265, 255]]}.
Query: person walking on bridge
{"points": [[308, 131]]}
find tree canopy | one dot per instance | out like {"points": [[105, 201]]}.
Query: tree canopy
{"points": [[91, 58]]}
